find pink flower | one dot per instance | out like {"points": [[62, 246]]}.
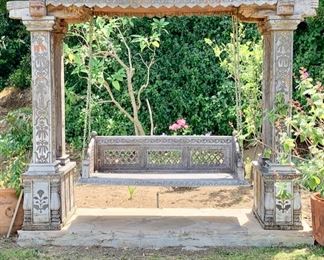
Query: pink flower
{"points": [[174, 127], [303, 73], [185, 126], [181, 122]]}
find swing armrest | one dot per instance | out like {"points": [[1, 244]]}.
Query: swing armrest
{"points": [[237, 160], [88, 162]]}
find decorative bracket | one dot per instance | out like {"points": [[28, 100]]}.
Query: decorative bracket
{"points": [[37, 8], [285, 7]]}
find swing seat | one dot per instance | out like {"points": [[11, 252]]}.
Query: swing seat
{"points": [[181, 161]]}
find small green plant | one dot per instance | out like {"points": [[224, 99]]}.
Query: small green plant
{"points": [[248, 168], [131, 191], [283, 193], [15, 147], [267, 153]]}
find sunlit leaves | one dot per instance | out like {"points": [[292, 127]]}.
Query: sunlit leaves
{"points": [[307, 127], [250, 60], [15, 144]]}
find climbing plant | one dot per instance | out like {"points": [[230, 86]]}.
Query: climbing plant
{"points": [[243, 61]]}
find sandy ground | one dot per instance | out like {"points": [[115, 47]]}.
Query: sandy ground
{"points": [[88, 196]]}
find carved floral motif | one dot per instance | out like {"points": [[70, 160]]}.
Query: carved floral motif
{"points": [[283, 76], [283, 61], [283, 205], [40, 202], [41, 90]]}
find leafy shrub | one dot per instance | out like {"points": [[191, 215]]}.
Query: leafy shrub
{"points": [[309, 45], [307, 124], [15, 147], [186, 82], [250, 75], [14, 51]]}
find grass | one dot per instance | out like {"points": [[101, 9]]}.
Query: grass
{"points": [[9, 250]]}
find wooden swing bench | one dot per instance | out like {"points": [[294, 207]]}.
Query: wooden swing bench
{"points": [[179, 161]]}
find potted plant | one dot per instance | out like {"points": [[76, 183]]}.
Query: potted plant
{"points": [[307, 127], [15, 146]]}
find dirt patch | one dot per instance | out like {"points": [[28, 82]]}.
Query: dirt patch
{"points": [[88, 196], [12, 98]]}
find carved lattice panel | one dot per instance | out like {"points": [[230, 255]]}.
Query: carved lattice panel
{"points": [[165, 157], [120, 157], [207, 157]]}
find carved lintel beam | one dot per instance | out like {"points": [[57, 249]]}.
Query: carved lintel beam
{"points": [[247, 13], [71, 14], [61, 26], [305, 8]]}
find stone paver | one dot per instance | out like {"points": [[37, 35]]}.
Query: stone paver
{"points": [[159, 228]]}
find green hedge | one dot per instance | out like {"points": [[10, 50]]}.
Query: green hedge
{"points": [[14, 51], [186, 82]]}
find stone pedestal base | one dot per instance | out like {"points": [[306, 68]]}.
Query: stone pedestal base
{"points": [[48, 198], [277, 201]]}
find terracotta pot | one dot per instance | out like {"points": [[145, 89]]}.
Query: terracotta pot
{"points": [[8, 202], [317, 205]]}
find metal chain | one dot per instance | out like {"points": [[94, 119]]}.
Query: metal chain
{"points": [[87, 116]]}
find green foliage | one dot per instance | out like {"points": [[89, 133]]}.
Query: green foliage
{"points": [[307, 125], [14, 51], [186, 82], [15, 146], [282, 193], [10, 251], [106, 55], [309, 45], [250, 74]]}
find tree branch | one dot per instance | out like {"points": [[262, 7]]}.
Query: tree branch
{"points": [[151, 116], [116, 103], [128, 49], [145, 85]]}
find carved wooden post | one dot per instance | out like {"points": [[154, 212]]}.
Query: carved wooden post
{"points": [[39, 197], [49, 187], [266, 97], [277, 73], [60, 29], [273, 210]]}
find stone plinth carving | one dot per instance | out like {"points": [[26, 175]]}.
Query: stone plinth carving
{"points": [[273, 210]]}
